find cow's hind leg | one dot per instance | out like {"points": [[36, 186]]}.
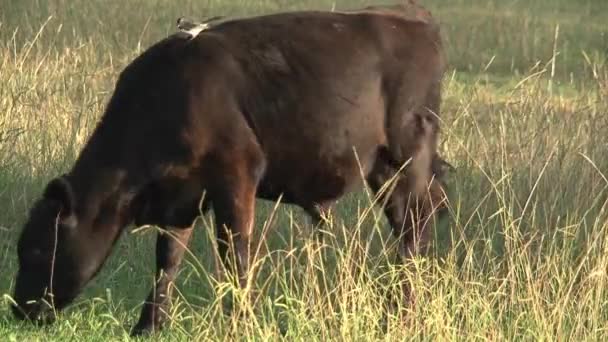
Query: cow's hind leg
{"points": [[419, 193], [414, 202], [170, 247]]}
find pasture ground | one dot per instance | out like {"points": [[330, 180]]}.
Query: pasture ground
{"points": [[525, 255]]}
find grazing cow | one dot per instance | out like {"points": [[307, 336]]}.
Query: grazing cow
{"points": [[298, 104]]}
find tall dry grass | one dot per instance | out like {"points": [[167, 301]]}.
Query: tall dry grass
{"points": [[524, 122]]}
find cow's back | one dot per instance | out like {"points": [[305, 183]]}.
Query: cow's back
{"points": [[313, 87], [318, 87]]}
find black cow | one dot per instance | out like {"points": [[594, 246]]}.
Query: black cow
{"points": [[289, 104]]}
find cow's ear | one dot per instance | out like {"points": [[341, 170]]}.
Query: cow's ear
{"points": [[60, 190]]}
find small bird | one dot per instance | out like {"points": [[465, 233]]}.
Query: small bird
{"points": [[194, 28]]}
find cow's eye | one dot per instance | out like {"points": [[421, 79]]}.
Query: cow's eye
{"points": [[35, 254]]}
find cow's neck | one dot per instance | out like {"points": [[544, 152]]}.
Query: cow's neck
{"points": [[103, 179], [101, 214], [100, 190]]}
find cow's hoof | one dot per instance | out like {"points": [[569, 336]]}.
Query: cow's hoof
{"points": [[143, 330]]}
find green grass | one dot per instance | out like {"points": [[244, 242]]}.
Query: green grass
{"points": [[525, 123]]}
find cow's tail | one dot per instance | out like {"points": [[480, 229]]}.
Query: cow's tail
{"points": [[440, 168]]}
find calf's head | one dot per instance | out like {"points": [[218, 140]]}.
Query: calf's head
{"points": [[57, 254]]}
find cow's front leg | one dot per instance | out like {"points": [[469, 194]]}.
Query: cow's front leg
{"points": [[233, 198], [234, 215], [319, 215], [170, 247]]}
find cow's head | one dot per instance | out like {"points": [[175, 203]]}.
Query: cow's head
{"points": [[57, 254]]}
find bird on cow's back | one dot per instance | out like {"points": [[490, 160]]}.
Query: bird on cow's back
{"points": [[192, 27]]}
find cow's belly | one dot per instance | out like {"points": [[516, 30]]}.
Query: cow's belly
{"points": [[315, 177], [310, 143]]}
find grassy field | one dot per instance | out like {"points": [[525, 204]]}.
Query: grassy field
{"points": [[525, 255]]}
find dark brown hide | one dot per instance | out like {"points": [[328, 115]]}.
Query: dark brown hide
{"points": [[257, 107]]}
